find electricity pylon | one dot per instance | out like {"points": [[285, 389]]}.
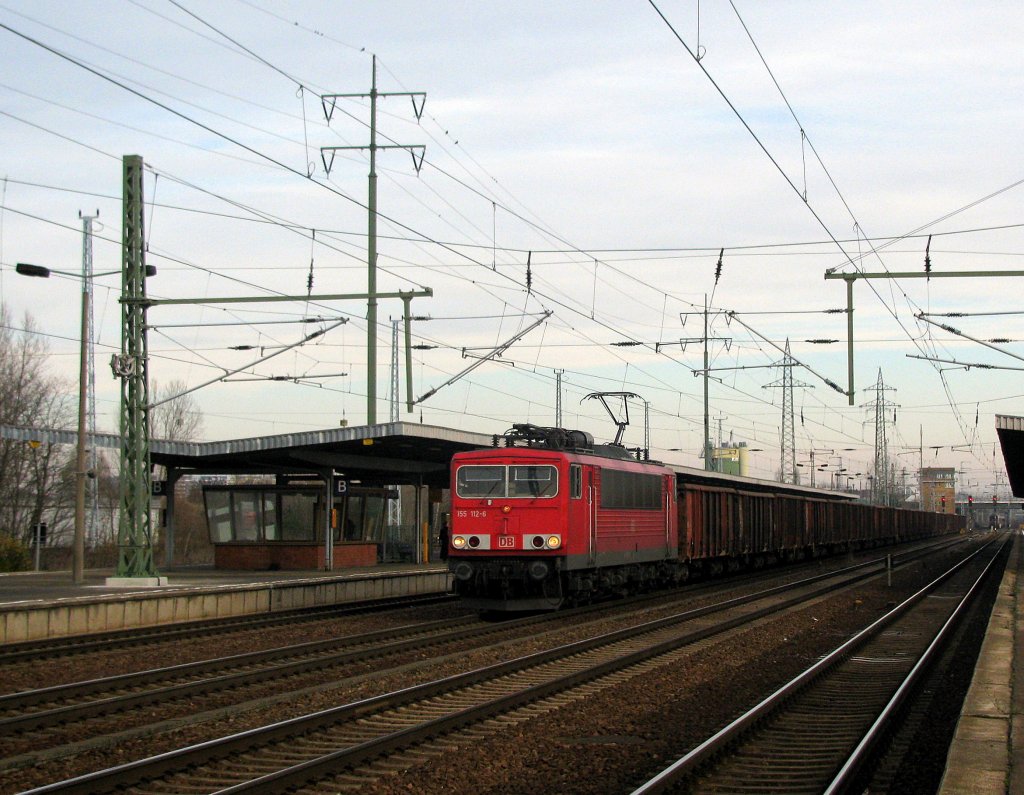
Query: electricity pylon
{"points": [[787, 459], [880, 486], [329, 102]]}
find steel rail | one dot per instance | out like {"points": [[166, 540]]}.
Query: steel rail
{"points": [[331, 649], [258, 666], [34, 650], [724, 738], [211, 751], [859, 758], [347, 758], [202, 676], [399, 639]]}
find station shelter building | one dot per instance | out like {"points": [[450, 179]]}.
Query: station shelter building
{"points": [[349, 496]]}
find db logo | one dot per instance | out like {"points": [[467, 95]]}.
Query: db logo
{"points": [[506, 542]]}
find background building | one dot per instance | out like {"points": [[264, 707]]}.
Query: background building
{"points": [[731, 459], [938, 487]]}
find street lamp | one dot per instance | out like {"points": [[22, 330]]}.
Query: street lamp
{"points": [[78, 545]]}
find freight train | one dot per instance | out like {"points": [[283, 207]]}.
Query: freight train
{"points": [[547, 518]]}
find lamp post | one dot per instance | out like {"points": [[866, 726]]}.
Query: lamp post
{"points": [[78, 541], [78, 545]]}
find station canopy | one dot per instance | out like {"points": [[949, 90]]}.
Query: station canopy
{"points": [[387, 453], [1011, 439], [395, 453]]}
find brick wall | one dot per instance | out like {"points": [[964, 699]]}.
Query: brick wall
{"points": [[269, 557]]}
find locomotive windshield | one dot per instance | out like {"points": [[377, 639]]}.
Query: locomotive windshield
{"points": [[501, 481], [481, 482], [532, 481]]}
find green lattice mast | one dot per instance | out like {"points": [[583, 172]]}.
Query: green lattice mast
{"points": [[134, 535]]}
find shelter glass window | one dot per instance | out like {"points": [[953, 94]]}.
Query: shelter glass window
{"points": [[532, 481], [480, 481], [270, 530], [247, 517], [364, 515], [374, 514], [298, 513], [218, 516], [352, 526]]}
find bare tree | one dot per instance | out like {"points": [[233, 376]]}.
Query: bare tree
{"points": [[179, 419], [36, 478], [109, 501]]}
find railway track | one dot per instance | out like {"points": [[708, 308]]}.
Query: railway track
{"points": [[23, 713], [65, 646], [35, 709], [346, 746], [822, 732]]}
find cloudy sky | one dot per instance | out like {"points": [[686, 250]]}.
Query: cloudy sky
{"points": [[579, 160]]}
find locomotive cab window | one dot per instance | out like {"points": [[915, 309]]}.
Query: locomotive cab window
{"points": [[480, 481], [576, 481], [500, 481], [532, 481]]}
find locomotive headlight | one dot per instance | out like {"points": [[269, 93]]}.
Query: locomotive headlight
{"points": [[554, 542], [459, 542]]}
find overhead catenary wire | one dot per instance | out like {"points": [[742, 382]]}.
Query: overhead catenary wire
{"points": [[848, 259], [750, 130], [261, 217], [467, 263]]}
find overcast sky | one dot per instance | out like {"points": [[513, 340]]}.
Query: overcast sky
{"points": [[584, 139]]}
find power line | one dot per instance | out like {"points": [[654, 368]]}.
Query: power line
{"points": [[796, 190], [477, 263], [750, 130], [736, 250]]}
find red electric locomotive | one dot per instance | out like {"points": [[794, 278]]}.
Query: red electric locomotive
{"points": [[552, 518]]}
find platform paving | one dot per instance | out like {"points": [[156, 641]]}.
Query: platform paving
{"points": [[987, 753]]}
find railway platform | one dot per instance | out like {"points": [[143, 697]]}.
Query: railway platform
{"points": [[36, 605], [987, 753]]}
